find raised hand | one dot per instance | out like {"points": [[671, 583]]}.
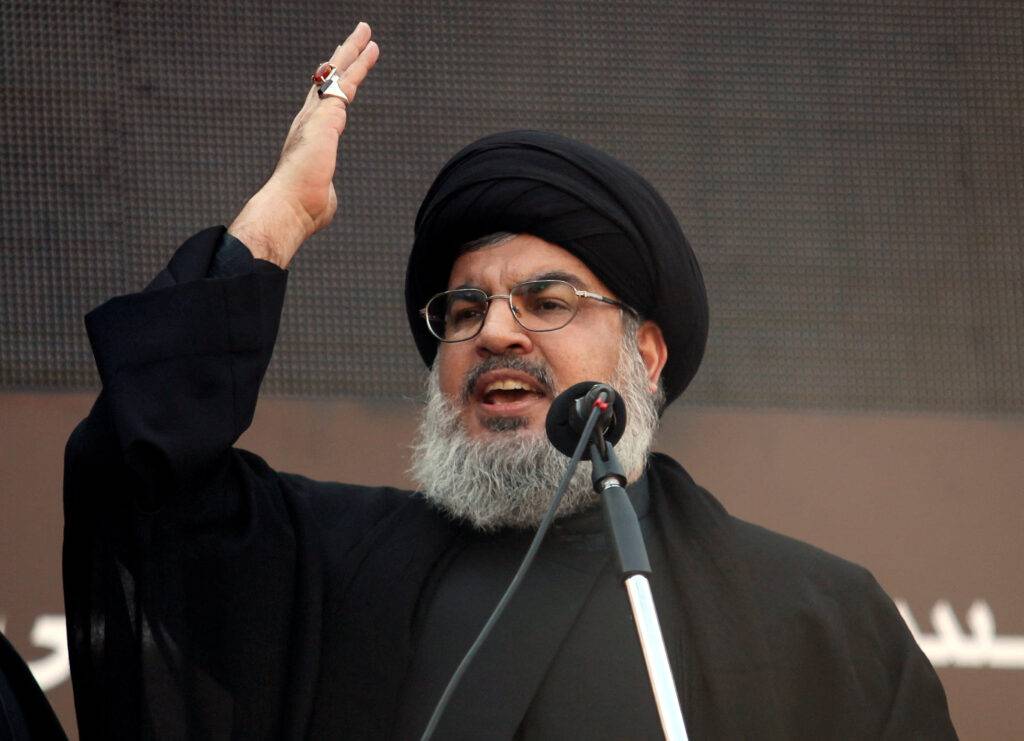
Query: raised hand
{"points": [[299, 198]]}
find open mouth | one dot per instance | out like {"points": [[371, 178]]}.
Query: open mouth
{"points": [[505, 392]]}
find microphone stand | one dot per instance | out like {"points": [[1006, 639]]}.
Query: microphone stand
{"points": [[624, 533], [625, 537]]}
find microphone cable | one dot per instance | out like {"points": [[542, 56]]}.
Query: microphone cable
{"points": [[524, 566]]}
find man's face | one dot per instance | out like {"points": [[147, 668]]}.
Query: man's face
{"points": [[504, 399]]}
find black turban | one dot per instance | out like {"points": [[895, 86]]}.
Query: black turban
{"points": [[581, 199]]}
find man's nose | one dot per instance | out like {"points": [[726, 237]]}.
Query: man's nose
{"points": [[501, 333]]}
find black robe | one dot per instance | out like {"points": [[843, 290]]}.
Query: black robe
{"points": [[210, 596]]}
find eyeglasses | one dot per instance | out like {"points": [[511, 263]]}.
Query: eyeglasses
{"points": [[537, 305]]}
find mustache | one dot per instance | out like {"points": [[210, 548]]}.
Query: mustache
{"points": [[538, 371]]}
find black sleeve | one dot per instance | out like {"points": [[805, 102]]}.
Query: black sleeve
{"points": [[185, 565], [917, 705], [231, 258], [181, 363]]}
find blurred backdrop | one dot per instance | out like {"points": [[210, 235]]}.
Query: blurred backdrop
{"points": [[850, 176]]}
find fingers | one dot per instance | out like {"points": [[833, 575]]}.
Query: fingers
{"points": [[351, 47], [353, 60], [356, 72]]}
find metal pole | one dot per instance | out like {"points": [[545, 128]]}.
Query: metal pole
{"points": [[627, 542], [641, 601]]}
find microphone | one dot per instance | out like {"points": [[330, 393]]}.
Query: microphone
{"points": [[570, 410]]}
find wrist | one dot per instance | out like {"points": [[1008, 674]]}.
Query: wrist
{"points": [[272, 227]]}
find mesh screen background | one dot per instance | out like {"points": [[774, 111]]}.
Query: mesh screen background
{"points": [[850, 175]]}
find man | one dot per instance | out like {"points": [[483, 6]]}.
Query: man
{"points": [[210, 596]]}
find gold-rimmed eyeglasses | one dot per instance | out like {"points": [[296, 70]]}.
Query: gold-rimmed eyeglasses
{"points": [[537, 305]]}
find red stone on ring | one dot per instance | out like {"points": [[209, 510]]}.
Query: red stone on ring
{"points": [[325, 70]]}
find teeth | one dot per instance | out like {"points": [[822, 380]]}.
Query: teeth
{"points": [[506, 385]]}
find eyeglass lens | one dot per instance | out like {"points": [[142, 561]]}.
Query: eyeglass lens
{"points": [[539, 306]]}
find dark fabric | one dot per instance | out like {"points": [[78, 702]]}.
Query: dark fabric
{"points": [[209, 596], [581, 199], [553, 675], [522, 644], [230, 258], [24, 712]]}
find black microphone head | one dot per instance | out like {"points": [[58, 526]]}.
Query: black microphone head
{"points": [[565, 421]]}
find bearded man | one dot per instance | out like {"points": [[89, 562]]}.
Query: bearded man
{"points": [[210, 596]]}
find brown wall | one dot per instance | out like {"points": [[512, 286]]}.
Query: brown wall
{"points": [[931, 504]]}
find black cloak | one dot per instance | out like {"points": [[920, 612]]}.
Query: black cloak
{"points": [[209, 596]]}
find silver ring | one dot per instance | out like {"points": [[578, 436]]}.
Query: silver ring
{"points": [[333, 89]]}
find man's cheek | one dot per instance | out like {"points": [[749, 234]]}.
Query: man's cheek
{"points": [[452, 382]]}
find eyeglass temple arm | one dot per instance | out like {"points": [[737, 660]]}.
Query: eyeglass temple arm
{"points": [[606, 300]]}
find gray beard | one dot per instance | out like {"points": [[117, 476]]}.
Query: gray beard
{"points": [[507, 479]]}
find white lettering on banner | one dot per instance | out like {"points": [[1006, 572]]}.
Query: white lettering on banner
{"points": [[949, 645], [49, 631]]}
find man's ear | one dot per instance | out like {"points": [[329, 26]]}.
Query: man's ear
{"points": [[653, 351]]}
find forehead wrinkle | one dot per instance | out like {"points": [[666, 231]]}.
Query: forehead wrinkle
{"points": [[495, 268], [562, 275]]}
